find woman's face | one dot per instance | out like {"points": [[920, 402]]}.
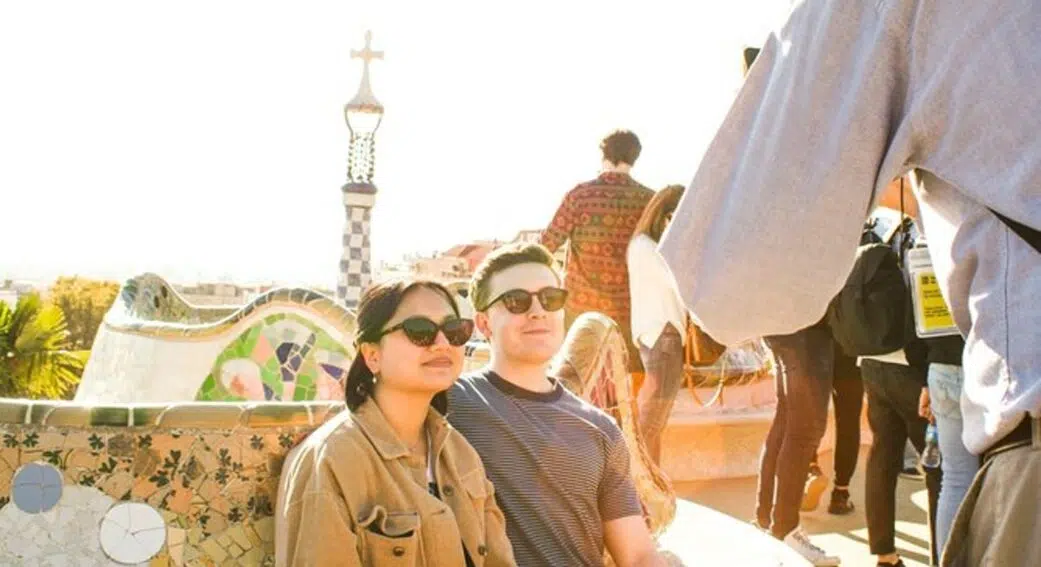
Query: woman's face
{"points": [[400, 364]]}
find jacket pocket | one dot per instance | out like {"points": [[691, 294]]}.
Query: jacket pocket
{"points": [[390, 538], [474, 485], [475, 488]]}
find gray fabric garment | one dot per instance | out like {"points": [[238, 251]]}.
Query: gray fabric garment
{"points": [[846, 97], [997, 522]]}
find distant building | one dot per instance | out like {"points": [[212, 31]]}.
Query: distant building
{"points": [[230, 294], [11, 290], [456, 263], [10, 297], [441, 268], [528, 236], [388, 271], [532, 237], [460, 261], [472, 253], [219, 293]]}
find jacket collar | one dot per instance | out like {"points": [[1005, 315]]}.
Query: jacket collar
{"points": [[374, 425]]}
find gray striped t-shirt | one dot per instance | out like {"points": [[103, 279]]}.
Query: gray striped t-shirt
{"points": [[559, 465]]}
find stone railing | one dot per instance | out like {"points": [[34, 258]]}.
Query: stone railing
{"points": [[177, 484]]}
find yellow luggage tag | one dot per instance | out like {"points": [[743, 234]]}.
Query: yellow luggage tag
{"points": [[932, 317]]}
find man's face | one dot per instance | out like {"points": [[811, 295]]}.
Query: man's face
{"points": [[533, 337]]}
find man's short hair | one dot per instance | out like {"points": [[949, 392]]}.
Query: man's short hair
{"points": [[621, 146], [500, 260]]}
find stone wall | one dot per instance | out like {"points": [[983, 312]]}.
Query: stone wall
{"points": [[179, 484]]}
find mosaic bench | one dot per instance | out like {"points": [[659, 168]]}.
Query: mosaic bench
{"points": [[195, 484], [164, 484]]}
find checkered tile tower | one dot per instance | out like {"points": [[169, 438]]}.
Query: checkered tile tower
{"points": [[363, 114]]}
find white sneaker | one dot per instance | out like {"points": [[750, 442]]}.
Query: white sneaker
{"points": [[800, 542]]}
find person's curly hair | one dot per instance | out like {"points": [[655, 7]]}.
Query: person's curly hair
{"points": [[621, 146]]}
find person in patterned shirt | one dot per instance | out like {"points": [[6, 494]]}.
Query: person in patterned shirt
{"points": [[598, 218]]}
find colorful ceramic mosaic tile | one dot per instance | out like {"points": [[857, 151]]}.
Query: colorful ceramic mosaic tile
{"points": [[282, 358], [191, 484]]}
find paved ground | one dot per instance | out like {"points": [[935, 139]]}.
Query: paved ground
{"points": [[845, 536]]}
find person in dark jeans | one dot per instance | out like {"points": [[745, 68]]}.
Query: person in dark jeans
{"points": [[893, 392], [804, 379], [847, 394]]}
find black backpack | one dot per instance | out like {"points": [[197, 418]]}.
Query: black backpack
{"points": [[871, 314]]}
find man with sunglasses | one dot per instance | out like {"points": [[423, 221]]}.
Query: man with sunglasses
{"points": [[560, 466]]}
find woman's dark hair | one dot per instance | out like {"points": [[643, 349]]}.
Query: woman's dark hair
{"points": [[662, 204], [377, 307]]}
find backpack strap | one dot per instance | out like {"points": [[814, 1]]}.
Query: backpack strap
{"points": [[1030, 235]]}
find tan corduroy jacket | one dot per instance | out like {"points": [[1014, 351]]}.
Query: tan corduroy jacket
{"points": [[351, 495]]}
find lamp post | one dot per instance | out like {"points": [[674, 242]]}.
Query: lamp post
{"points": [[363, 115]]}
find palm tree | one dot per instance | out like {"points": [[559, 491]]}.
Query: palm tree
{"points": [[34, 362]]}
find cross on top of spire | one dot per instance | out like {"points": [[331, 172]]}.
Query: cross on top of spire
{"points": [[365, 100], [366, 54]]}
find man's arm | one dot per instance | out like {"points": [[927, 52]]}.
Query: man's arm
{"points": [[765, 235], [630, 544], [559, 229], [626, 535]]}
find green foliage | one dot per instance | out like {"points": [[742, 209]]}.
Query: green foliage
{"points": [[84, 303], [34, 358]]}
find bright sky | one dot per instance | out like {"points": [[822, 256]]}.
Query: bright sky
{"points": [[205, 140]]}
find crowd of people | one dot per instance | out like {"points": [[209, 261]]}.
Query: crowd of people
{"points": [[849, 106]]}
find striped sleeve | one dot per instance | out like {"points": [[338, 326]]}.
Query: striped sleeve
{"points": [[617, 493]]}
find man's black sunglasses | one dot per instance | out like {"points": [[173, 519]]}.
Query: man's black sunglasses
{"points": [[422, 331], [518, 301]]}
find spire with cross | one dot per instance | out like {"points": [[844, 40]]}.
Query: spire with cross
{"points": [[364, 114], [365, 100]]}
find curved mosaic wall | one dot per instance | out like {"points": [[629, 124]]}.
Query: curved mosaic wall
{"points": [[287, 344], [185, 484], [284, 357], [148, 305]]}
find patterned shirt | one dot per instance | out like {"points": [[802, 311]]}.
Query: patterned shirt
{"points": [[598, 218]]}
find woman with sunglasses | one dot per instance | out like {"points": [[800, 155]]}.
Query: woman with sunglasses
{"points": [[389, 482], [659, 318]]}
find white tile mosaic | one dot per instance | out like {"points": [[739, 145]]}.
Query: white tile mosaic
{"points": [[132, 532], [67, 534], [202, 493]]}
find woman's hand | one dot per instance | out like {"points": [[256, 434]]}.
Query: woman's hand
{"points": [[925, 407]]}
